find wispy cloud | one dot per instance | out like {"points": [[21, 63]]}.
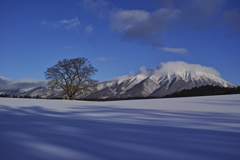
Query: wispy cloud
{"points": [[89, 29], [68, 47], [44, 23], [145, 27], [142, 26], [96, 6], [139, 26], [104, 59], [197, 13], [232, 18], [119, 78], [67, 24], [174, 50]]}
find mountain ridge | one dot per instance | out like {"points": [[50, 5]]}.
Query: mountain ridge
{"points": [[139, 85]]}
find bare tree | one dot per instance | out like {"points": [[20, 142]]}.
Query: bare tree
{"points": [[73, 76]]}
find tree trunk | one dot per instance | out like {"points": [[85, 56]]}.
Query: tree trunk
{"points": [[71, 97]]}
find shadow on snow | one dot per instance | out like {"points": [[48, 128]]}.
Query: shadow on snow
{"points": [[120, 133]]}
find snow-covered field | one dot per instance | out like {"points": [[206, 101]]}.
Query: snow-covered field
{"points": [[198, 128]]}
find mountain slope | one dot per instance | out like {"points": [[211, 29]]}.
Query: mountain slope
{"points": [[157, 86], [136, 86], [142, 89]]}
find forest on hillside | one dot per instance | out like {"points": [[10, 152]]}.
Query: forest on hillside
{"points": [[204, 91]]}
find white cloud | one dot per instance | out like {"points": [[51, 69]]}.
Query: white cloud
{"points": [[104, 59], [144, 71], [6, 83], [169, 67], [89, 29], [67, 24], [178, 66], [174, 50]]}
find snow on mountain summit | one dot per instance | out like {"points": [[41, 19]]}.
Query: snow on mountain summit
{"points": [[190, 76], [165, 79], [155, 85], [180, 66]]}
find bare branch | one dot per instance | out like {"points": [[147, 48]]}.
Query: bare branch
{"points": [[72, 75]]}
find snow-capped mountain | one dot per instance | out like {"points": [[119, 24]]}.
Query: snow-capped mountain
{"points": [[15, 91], [138, 85], [43, 92], [165, 79], [23, 84], [157, 86]]}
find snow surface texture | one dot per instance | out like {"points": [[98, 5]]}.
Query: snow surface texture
{"points": [[199, 128]]}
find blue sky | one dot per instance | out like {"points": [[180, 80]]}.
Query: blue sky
{"points": [[119, 36]]}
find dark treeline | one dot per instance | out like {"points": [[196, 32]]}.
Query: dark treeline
{"points": [[35, 97], [14, 96], [196, 91], [204, 91], [5, 95], [116, 99]]}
